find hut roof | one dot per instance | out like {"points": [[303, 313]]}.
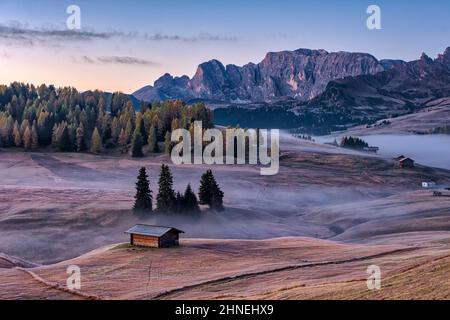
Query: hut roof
{"points": [[148, 230]]}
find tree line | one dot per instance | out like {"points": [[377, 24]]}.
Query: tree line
{"points": [[353, 143], [169, 201], [71, 121], [440, 130]]}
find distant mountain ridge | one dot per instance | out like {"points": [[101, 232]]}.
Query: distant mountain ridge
{"points": [[403, 87], [301, 74], [311, 89]]}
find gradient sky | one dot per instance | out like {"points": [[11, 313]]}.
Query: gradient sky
{"points": [[125, 45]]}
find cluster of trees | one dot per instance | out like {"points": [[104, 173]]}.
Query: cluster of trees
{"points": [[167, 200], [441, 130], [317, 121], [306, 137], [353, 143], [71, 121]]}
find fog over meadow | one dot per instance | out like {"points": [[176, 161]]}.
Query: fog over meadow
{"points": [[58, 206], [430, 150]]}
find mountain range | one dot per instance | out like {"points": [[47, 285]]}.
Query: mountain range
{"points": [[402, 87], [301, 74], [311, 86]]}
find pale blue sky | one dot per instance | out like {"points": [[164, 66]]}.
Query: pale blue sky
{"points": [[176, 35]]}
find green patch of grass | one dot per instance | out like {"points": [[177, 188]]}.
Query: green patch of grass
{"points": [[124, 245]]}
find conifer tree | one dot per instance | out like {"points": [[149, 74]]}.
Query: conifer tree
{"points": [[16, 135], [96, 142], [81, 145], [64, 141], [55, 135], [128, 131], [210, 193], [204, 193], [115, 129], [168, 143], [190, 202], [27, 138], [23, 126], [8, 131], [143, 197], [123, 139], [141, 127], [166, 194], [217, 197], [11, 130], [34, 137], [152, 140], [178, 203], [136, 144]]}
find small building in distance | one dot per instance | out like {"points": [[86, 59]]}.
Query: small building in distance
{"points": [[154, 236], [371, 149], [406, 163], [428, 184]]}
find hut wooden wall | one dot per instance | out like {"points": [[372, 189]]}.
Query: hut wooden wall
{"points": [[170, 239], [146, 241]]}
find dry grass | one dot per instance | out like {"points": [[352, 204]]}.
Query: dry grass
{"points": [[55, 207], [284, 268]]}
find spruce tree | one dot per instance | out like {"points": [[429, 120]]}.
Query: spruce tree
{"points": [[166, 194], [136, 144], [217, 197], [178, 203], [210, 193], [190, 202], [64, 142], [204, 193], [143, 197]]}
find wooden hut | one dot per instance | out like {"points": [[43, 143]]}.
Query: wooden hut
{"points": [[406, 163], [154, 236]]}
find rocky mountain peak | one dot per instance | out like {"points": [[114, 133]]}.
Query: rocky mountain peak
{"points": [[445, 57], [300, 74], [166, 79], [425, 58], [446, 52]]}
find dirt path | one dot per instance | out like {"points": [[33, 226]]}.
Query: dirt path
{"points": [[57, 286], [167, 294]]}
